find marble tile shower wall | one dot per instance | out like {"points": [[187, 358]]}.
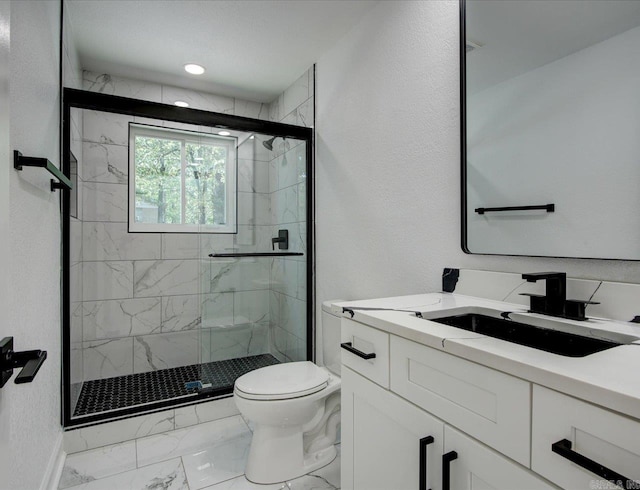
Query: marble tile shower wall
{"points": [[288, 191], [152, 301]]}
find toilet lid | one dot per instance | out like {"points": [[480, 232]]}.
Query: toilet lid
{"points": [[282, 381]]}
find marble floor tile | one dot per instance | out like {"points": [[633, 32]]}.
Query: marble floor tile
{"points": [[190, 440], [220, 462], [326, 478], [241, 483], [80, 440], [210, 456], [98, 463], [168, 475], [205, 412]]}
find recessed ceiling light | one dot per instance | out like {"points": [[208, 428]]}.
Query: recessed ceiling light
{"points": [[181, 103], [251, 137], [224, 133], [194, 69]]}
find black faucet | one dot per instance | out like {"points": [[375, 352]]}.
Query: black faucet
{"points": [[552, 303], [555, 302]]}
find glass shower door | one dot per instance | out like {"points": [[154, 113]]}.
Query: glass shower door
{"points": [[188, 260], [263, 282]]}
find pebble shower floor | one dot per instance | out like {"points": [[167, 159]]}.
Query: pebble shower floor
{"points": [[103, 395]]}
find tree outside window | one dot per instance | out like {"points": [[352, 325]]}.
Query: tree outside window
{"points": [[182, 181]]}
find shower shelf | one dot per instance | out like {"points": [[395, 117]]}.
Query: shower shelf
{"points": [[257, 254], [20, 161]]}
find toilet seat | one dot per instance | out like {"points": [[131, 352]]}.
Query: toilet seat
{"points": [[282, 381]]}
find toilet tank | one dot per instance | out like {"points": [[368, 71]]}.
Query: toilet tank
{"points": [[331, 337]]}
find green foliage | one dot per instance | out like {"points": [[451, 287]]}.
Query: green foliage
{"points": [[158, 167]]}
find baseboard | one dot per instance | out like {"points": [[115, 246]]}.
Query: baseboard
{"points": [[54, 468]]}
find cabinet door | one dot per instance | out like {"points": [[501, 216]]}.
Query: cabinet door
{"points": [[381, 436], [476, 467], [489, 405], [597, 439]]}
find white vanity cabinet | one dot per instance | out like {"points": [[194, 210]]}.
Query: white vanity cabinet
{"points": [[430, 391], [386, 441], [480, 428]]}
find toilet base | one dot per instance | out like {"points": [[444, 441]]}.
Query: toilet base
{"points": [[276, 455]]}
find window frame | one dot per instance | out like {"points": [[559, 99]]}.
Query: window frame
{"points": [[184, 136]]}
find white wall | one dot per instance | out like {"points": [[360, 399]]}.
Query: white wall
{"points": [[388, 161], [5, 329], [34, 270], [564, 133]]}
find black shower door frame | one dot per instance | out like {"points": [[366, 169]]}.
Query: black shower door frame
{"points": [[82, 99]]}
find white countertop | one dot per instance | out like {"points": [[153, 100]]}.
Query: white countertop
{"points": [[610, 378]]}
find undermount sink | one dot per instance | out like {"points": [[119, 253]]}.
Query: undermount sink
{"points": [[549, 335]]}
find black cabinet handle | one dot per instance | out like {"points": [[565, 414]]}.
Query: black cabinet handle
{"points": [[359, 353], [563, 448], [446, 469], [424, 442]]}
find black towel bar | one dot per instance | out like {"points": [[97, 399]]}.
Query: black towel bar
{"points": [[550, 208], [256, 254], [20, 161]]}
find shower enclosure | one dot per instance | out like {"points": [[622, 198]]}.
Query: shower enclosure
{"points": [[186, 257]]}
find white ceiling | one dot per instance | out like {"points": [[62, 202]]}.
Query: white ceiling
{"points": [[520, 35], [252, 49]]}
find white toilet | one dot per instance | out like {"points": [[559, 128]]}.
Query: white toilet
{"points": [[295, 411]]}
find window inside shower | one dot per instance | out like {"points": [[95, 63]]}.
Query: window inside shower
{"points": [[181, 181], [173, 313]]}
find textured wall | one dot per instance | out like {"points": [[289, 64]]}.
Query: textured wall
{"points": [[34, 301], [387, 166]]}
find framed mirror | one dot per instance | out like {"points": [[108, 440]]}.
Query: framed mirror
{"points": [[550, 128]]}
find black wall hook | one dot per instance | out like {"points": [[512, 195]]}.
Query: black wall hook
{"points": [[29, 360]]}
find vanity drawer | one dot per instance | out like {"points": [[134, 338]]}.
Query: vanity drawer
{"points": [[364, 341], [607, 438], [486, 404]]}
